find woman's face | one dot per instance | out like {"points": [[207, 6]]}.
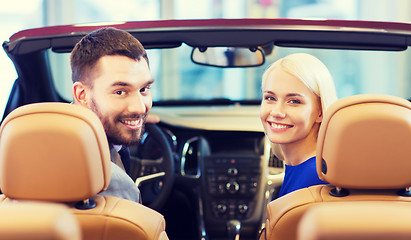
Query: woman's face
{"points": [[289, 109]]}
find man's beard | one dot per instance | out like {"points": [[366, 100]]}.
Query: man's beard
{"points": [[114, 136]]}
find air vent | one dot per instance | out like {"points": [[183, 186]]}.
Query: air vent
{"points": [[190, 158], [275, 162]]}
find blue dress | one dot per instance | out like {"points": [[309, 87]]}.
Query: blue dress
{"points": [[300, 176]]}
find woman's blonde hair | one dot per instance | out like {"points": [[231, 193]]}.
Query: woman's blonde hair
{"points": [[312, 72]]}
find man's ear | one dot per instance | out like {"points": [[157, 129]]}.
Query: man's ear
{"points": [[319, 117], [80, 93]]}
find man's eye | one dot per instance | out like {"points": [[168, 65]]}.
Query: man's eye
{"points": [[145, 89], [121, 93]]}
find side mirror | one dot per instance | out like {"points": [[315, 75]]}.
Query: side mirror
{"points": [[227, 57]]}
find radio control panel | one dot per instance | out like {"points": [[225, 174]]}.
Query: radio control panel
{"points": [[231, 183]]}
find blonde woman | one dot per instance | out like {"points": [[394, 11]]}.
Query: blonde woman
{"points": [[297, 90]]}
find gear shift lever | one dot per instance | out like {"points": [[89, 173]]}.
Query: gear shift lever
{"points": [[233, 229]]}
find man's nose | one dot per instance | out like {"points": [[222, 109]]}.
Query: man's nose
{"points": [[137, 104]]}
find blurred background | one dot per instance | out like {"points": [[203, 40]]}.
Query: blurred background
{"points": [[17, 15]]}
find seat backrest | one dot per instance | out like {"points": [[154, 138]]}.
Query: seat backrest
{"points": [[53, 152], [362, 151], [356, 220], [37, 221], [58, 152], [363, 136]]}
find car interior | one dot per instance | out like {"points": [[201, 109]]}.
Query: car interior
{"points": [[206, 170]]}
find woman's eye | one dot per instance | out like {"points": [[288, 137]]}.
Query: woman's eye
{"points": [[295, 101], [269, 98]]}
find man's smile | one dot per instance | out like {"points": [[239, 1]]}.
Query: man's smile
{"points": [[132, 124]]}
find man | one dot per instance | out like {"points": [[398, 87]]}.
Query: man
{"points": [[111, 76]]}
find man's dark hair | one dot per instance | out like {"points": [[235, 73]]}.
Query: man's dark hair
{"points": [[99, 43]]}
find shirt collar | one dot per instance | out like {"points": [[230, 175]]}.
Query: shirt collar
{"points": [[117, 147]]}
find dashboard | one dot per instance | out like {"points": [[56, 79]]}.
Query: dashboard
{"points": [[223, 159]]}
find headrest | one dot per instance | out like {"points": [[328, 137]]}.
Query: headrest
{"points": [[53, 152], [364, 142], [37, 221]]}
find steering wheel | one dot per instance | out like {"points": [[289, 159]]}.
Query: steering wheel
{"points": [[152, 167]]}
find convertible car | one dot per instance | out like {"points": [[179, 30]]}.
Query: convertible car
{"points": [[207, 166]]}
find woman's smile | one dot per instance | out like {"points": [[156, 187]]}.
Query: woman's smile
{"points": [[279, 127]]}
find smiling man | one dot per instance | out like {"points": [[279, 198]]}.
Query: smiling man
{"points": [[111, 77]]}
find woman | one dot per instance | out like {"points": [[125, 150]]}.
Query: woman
{"points": [[297, 89]]}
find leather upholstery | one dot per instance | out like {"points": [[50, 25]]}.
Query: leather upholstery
{"points": [[53, 152], [358, 138], [58, 152], [356, 221], [365, 143], [37, 221]]}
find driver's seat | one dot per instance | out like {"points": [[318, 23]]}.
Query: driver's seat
{"points": [[58, 152]]}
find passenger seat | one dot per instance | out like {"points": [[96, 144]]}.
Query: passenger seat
{"points": [[363, 151]]}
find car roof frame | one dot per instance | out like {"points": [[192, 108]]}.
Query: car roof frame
{"points": [[330, 34]]}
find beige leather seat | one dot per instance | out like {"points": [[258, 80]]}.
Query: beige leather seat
{"points": [[37, 221], [363, 151], [58, 152], [356, 220]]}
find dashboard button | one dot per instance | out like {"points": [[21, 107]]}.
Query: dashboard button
{"points": [[232, 187]]}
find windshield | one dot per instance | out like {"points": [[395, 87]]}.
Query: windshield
{"points": [[179, 80]]}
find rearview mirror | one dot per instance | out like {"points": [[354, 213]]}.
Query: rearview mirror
{"points": [[228, 56]]}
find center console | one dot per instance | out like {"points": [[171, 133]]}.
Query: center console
{"points": [[231, 183], [231, 172], [232, 190]]}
